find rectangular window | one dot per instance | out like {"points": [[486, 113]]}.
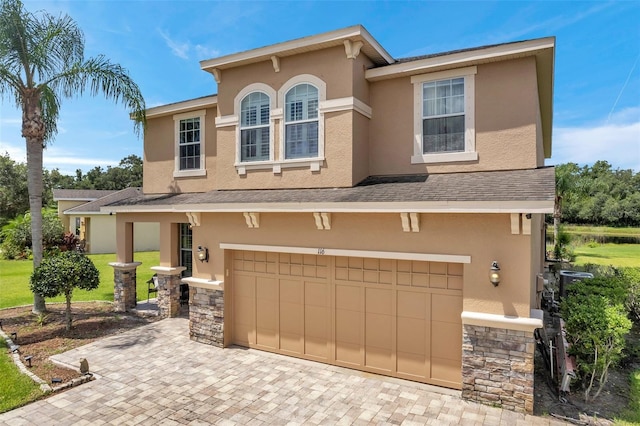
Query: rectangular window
{"points": [[302, 140], [254, 144], [186, 249], [189, 143], [443, 116]]}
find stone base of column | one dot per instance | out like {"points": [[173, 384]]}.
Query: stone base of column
{"points": [[206, 316], [168, 290], [497, 367], [124, 285]]}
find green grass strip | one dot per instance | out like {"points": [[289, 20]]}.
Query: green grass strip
{"points": [[608, 254], [16, 389], [15, 274], [632, 415]]}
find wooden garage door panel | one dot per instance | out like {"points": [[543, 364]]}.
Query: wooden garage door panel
{"points": [[400, 318], [267, 312], [244, 310]]}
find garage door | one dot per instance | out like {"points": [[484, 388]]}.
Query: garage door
{"points": [[393, 317]]}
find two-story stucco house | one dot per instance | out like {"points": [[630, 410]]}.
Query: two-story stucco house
{"points": [[336, 204]]}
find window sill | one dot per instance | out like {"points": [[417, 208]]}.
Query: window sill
{"points": [[189, 173], [313, 164], [445, 157]]}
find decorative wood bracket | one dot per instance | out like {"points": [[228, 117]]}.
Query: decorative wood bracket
{"points": [[410, 222], [217, 74], [252, 219], [520, 223], [352, 48], [276, 63], [323, 220], [194, 218]]}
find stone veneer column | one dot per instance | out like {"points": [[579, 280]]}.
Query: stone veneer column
{"points": [[168, 290], [206, 316], [124, 285], [497, 366]]}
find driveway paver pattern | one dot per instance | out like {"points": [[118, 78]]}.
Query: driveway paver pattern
{"points": [[155, 375]]}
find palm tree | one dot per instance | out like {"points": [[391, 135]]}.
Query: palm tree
{"points": [[42, 62]]}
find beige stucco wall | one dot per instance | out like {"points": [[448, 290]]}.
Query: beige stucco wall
{"points": [[101, 234], [68, 225], [484, 237], [159, 157], [506, 119]]}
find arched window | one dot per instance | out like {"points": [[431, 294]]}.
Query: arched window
{"points": [[301, 121], [254, 127]]}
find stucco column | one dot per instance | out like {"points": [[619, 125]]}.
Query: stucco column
{"points": [[169, 278], [124, 285]]}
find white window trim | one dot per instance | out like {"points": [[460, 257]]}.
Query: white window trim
{"points": [[202, 171], [271, 93], [312, 162], [469, 153]]}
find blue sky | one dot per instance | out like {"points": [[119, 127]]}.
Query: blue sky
{"points": [[597, 69]]}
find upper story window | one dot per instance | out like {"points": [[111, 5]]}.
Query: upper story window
{"points": [[444, 118], [301, 122], [189, 136], [254, 127]]}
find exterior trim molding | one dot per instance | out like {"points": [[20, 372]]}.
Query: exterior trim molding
{"points": [[204, 283], [124, 266], [321, 251], [226, 121], [252, 219], [346, 104], [451, 60], [355, 207], [168, 270], [503, 321], [194, 218], [180, 107]]}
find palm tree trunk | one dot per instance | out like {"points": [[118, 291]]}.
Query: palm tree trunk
{"points": [[33, 131], [68, 297], [34, 182]]}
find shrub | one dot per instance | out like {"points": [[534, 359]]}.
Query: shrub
{"points": [[16, 235], [596, 324], [632, 278], [62, 273]]}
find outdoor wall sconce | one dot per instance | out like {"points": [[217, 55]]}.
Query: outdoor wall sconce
{"points": [[494, 274], [203, 254]]}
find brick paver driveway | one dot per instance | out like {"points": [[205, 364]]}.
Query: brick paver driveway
{"points": [[156, 375]]}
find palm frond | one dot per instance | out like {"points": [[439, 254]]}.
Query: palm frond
{"points": [[50, 104], [99, 75]]}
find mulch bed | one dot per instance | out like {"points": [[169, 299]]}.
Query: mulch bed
{"points": [[41, 339]]}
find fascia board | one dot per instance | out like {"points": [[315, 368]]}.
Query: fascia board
{"points": [[178, 107], [543, 206], [266, 52], [459, 59]]}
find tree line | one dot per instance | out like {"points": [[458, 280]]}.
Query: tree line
{"points": [[14, 195], [598, 194]]}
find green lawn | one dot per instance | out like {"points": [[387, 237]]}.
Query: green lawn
{"points": [[15, 388], [14, 279], [608, 254]]}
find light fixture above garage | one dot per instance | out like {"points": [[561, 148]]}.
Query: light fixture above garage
{"points": [[203, 254], [494, 273]]}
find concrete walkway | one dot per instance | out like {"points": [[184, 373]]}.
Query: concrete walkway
{"points": [[155, 375]]}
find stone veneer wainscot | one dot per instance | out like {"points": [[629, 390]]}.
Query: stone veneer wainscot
{"points": [[206, 311], [498, 362]]}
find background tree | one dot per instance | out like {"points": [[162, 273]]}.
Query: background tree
{"points": [[62, 273], [14, 196], [564, 186], [42, 62]]}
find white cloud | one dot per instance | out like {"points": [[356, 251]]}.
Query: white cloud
{"points": [[616, 141], [204, 52], [181, 50], [16, 152]]}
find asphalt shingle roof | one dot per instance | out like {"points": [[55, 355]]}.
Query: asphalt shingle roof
{"points": [[112, 197], [80, 194], [513, 185]]}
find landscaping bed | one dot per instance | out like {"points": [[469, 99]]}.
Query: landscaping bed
{"points": [[43, 336]]}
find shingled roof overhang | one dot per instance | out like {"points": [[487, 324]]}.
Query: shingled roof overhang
{"points": [[370, 47], [515, 191]]}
